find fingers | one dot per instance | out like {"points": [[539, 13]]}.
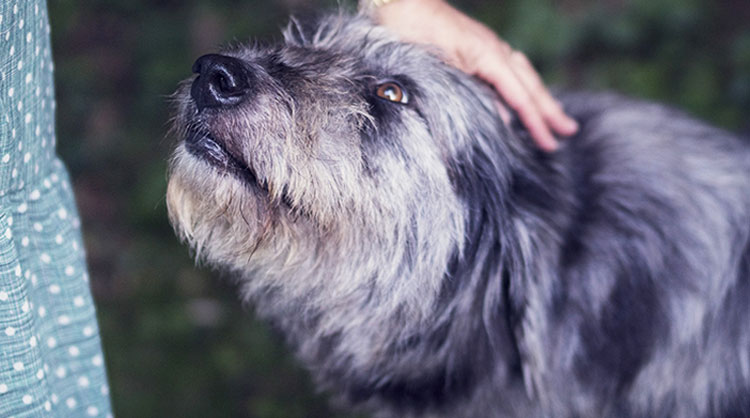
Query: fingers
{"points": [[496, 70], [518, 83], [550, 108]]}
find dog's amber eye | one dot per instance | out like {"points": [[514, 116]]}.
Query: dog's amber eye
{"points": [[392, 92]]}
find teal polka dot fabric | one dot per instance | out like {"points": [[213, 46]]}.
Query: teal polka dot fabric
{"points": [[51, 361]]}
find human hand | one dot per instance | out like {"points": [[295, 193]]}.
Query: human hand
{"points": [[476, 50]]}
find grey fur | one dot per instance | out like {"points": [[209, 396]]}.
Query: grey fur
{"points": [[424, 260]]}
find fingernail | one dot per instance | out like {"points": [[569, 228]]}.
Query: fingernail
{"points": [[550, 145], [572, 125]]}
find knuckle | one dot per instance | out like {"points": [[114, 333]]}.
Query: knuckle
{"points": [[520, 57], [504, 48], [551, 107], [520, 103]]}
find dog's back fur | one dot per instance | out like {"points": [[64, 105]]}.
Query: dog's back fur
{"points": [[608, 279], [634, 240], [614, 275]]}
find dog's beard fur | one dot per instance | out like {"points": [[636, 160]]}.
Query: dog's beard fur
{"points": [[424, 260]]}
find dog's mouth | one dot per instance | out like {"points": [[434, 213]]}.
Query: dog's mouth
{"points": [[204, 146]]}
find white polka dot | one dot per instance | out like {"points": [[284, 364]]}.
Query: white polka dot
{"points": [[10, 221], [20, 24], [51, 342], [25, 241], [17, 271], [92, 411], [60, 372], [20, 65], [46, 259], [14, 173], [54, 289], [105, 390], [32, 341], [27, 156], [69, 270], [74, 351], [25, 306], [28, 78], [27, 399], [35, 193], [83, 382], [38, 227], [88, 331], [40, 374], [15, 9], [78, 301], [18, 366], [62, 213], [63, 320], [11, 91], [23, 207], [42, 311], [10, 331], [47, 406], [71, 403], [58, 239], [3, 296], [54, 177], [3, 388], [28, 36], [97, 360], [8, 233]]}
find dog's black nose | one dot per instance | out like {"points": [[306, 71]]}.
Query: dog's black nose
{"points": [[221, 81]]}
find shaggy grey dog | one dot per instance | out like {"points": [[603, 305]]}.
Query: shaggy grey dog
{"points": [[424, 260]]}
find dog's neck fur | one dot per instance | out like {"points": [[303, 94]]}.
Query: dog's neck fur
{"points": [[483, 307]]}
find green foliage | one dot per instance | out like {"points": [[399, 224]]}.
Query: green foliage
{"points": [[177, 341]]}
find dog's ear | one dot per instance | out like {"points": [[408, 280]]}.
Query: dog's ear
{"points": [[493, 171], [477, 147]]}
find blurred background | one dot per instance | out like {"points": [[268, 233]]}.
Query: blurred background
{"points": [[177, 341]]}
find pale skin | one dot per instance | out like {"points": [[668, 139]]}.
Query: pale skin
{"points": [[476, 50]]}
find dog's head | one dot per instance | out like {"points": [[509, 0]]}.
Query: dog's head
{"points": [[335, 155]]}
